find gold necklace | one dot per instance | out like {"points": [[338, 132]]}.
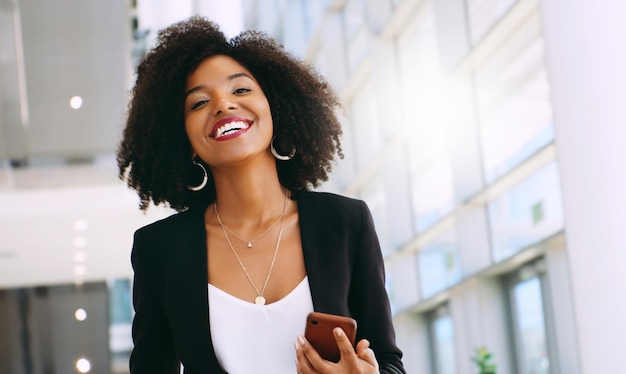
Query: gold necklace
{"points": [[259, 300], [249, 242]]}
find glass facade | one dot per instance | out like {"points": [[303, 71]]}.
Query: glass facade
{"points": [[513, 98], [527, 213], [442, 338], [450, 138], [120, 301], [430, 173], [355, 32], [483, 14], [373, 194], [431, 182], [531, 328], [484, 135], [439, 265], [526, 298], [363, 115]]}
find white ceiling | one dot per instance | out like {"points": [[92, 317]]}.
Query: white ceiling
{"points": [[52, 51], [47, 234], [64, 215]]}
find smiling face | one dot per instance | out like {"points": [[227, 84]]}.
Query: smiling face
{"points": [[227, 116]]}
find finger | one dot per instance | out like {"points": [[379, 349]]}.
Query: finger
{"points": [[365, 353], [303, 366], [345, 346], [308, 358]]}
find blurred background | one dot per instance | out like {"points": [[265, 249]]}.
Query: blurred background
{"points": [[487, 137]]}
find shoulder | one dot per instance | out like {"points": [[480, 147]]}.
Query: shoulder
{"points": [[162, 238], [331, 208], [169, 224], [328, 200]]}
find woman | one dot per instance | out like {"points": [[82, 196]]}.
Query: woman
{"points": [[233, 135]]}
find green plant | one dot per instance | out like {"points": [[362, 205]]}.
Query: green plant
{"points": [[482, 359]]}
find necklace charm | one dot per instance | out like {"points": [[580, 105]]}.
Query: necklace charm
{"points": [[260, 300], [249, 244]]}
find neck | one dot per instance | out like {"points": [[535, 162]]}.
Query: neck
{"points": [[252, 195]]}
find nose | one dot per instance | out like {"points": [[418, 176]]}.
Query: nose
{"points": [[223, 103]]}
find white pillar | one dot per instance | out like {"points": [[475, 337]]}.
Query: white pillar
{"points": [[586, 56]]}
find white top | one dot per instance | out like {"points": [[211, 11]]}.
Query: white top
{"points": [[250, 338]]}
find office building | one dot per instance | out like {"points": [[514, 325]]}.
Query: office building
{"points": [[486, 137]]}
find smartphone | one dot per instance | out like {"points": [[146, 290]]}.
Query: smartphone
{"points": [[319, 332]]}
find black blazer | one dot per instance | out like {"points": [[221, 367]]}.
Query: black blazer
{"points": [[343, 263]]}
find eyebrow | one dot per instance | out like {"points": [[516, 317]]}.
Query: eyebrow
{"points": [[228, 78]]}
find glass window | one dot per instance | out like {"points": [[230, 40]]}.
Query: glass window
{"points": [[526, 214], [373, 193], [421, 80], [528, 316], [268, 17], [483, 14], [364, 122], [344, 171], [353, 14], [442, 341], [294, 28], [319, 61], [439, 265], [514, 106], [357, 35], [313, 11], [419, 67], [402, 281], [431, 182], [120, 301]]}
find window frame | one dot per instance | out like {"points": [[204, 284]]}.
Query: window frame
{"points": [[537, 269]]}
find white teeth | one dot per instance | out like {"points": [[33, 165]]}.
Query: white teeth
{"points": [[231, 126]]}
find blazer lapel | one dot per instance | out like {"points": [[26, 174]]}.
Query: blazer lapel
{"points": [[324, 239], [186, 294]]}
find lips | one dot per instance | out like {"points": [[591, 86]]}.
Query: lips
{"points": [[230, 127]]}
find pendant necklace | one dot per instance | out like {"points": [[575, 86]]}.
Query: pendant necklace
{"points": [[249, 242], [259, 300]]}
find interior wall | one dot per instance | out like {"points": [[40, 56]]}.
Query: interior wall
{"points": [[39, 332]]}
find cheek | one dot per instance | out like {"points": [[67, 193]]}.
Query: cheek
{"points": [[264, 108], [193, 125], [193, 129]]}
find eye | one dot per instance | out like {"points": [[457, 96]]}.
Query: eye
{"points": [[198, 104], [240, 91]]}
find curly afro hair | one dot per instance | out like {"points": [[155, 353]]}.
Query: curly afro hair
{"points": [[154, 156]]}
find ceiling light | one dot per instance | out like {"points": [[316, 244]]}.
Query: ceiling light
{"points": [[80, 225], [76, 102], [83, 365], [80, 314], [80, 256]]}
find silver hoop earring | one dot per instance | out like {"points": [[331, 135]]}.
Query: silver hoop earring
{"points": [[205, 178], [280, 157]]}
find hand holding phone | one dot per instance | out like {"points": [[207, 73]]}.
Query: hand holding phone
{"points": [[319, 332]]}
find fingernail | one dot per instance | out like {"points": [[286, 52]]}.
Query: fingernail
{"points": [[301, 340], [338, 332], [297, 345]]}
